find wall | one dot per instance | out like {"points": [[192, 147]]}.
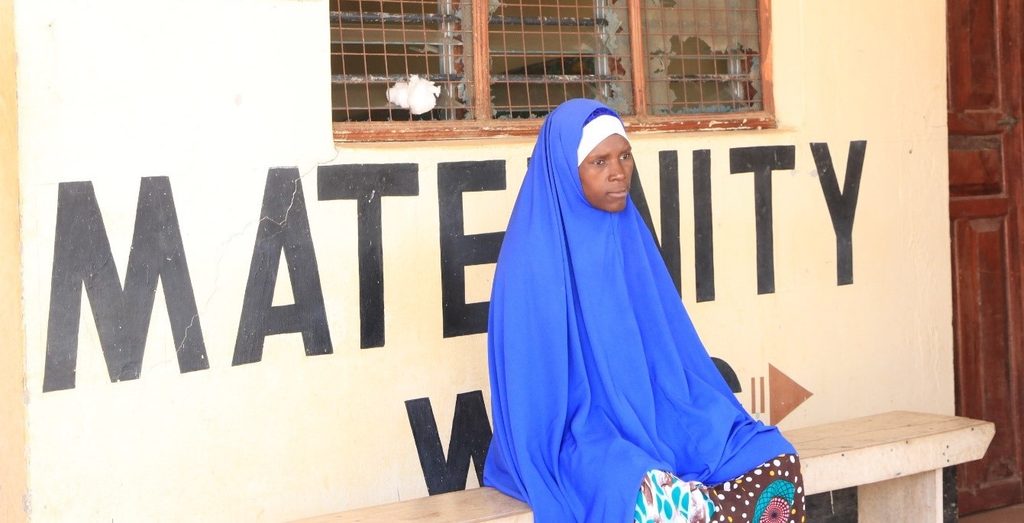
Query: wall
{"points": [[186, 155], [13, 459]]}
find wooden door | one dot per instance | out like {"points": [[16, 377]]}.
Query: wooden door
{"points": [[986, 216]]}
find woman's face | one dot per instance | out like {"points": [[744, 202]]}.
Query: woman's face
{"points": [[606, 174]]}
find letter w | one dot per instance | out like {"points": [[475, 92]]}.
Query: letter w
{"points": [[471, 436]]}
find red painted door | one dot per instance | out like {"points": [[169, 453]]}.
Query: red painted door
{"points": [[986, 144]]}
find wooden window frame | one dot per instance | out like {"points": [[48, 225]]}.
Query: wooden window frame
{"points": [[641, 122]]}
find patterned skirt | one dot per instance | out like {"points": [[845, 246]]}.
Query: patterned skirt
{"points": [[771, 493]]}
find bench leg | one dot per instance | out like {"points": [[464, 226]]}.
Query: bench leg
{"points": [[911, 498]]}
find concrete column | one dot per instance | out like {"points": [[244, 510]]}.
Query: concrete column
{"points": [[917, 497]]}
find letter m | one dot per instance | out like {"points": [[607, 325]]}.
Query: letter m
{"points": [[82, 258]]}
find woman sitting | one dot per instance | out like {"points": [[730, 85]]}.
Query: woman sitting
{"points": [[606, 406]]}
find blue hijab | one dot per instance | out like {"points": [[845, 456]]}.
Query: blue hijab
{"points": [[597, 374]]}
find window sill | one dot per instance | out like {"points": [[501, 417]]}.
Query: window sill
{"points": [[469, 129]]}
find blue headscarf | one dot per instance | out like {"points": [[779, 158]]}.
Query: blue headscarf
{"points": [[597, 374]]}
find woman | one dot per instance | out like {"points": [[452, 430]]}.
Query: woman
{"points": [[606, 405]]}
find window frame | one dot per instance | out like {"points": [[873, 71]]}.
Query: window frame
{"points": [[446, 130]]}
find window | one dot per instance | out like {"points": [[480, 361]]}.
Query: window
{"points": [[464, 68]]}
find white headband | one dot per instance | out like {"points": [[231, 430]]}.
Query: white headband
{"points": [[595, 132]]}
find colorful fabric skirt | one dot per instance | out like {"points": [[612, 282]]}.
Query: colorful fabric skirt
{"points": [[771, 493]]}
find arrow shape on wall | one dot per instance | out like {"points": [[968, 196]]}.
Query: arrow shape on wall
{"points": [[786, 394]]}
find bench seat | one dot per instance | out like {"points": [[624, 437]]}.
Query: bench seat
{"points": [[895, 459]]}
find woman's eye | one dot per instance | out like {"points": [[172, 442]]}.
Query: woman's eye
{"points": [[626, 156]]}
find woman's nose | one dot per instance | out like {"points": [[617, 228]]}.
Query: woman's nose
{"points": [[617, 171]]}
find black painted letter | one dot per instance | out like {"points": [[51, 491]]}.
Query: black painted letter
{"points": [[762, 161], [82, 255], [471, 436], [459, 249], [703, 232], [841, 205], [728, 374], [367, 184], [284, 225], [668, 243]]}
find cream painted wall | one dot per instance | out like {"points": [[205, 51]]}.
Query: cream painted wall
{"points": [[13, 457], [212, 94]]}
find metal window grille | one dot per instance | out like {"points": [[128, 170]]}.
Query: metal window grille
{"points": [[543, 53], [658, 62], [703, 56], [377, 44]]}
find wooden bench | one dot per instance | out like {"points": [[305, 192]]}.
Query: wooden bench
{"points": [[894, 459]]}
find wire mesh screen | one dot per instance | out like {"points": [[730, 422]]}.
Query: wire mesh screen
{"points": [[703, 56], [400, 60], [544, 52]]}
